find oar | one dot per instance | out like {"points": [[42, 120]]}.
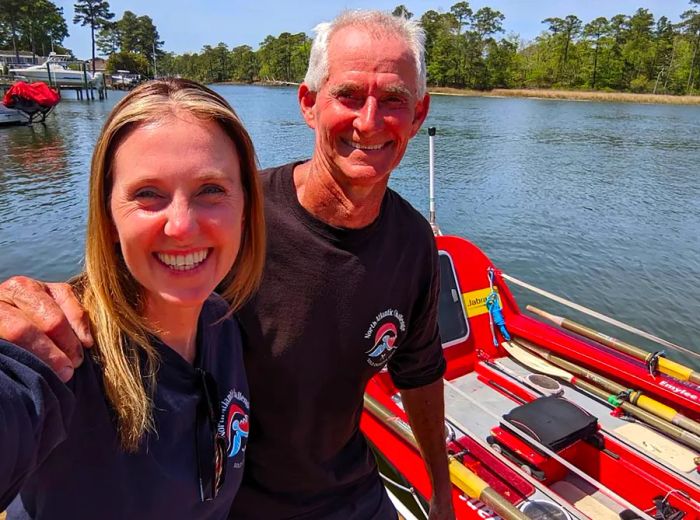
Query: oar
{"points": [[666, 366], [465, 480], [635, 396], [537, 363]]}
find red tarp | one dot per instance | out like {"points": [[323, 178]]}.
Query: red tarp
{"points": [[39, 93]]}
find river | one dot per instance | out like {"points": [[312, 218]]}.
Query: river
{"points": [[597, 202]]}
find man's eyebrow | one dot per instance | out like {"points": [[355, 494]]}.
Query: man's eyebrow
{"points": [[397, 90], [344, 88]]}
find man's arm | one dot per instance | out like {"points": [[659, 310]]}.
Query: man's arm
{"points": [[425, 407], [47, 320]]}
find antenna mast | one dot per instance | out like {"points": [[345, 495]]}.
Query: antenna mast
{"points": [[431, 154]]}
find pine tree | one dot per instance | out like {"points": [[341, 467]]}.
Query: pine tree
{"points": [[94, 13]]}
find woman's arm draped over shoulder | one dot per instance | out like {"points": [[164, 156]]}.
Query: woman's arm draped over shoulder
{"points": [[35, 411]]}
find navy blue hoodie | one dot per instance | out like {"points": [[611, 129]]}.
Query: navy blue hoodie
{"points": [[59, 446]]}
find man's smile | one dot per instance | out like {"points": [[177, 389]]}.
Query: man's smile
{"points": [[365, 147]]}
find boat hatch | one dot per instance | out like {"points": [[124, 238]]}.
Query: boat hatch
{"points": [[454, 327]]}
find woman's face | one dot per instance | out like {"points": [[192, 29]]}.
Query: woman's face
{"points": [[177, 208]]}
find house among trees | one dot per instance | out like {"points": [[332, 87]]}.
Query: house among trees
{"points": [[98, 65], [26, 58]]}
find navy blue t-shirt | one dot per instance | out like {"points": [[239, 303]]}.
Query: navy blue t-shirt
{"points": [[59, 443]]}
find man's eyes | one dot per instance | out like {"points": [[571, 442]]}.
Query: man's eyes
{"points": [[350, 95], [394, 99], [391, 100]]}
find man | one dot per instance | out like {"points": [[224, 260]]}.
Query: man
{"points": [[350, 286]]}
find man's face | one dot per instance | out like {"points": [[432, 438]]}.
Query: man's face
{"points": [[367, 110]]}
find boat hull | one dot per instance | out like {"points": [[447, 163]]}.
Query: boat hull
{"points": [[9, 116], [61, 78]]}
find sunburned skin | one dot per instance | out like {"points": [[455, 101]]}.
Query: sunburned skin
{"points": [[364, 116]]}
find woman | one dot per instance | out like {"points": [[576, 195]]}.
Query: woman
{"points": [[154, 422]]}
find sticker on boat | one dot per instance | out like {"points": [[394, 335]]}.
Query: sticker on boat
{"points": [[475, 301]]}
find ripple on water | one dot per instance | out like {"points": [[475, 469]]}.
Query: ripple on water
{"points": [[598, 202]]}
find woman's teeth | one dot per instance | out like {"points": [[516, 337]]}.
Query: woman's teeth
{"points": [[184, 262]]}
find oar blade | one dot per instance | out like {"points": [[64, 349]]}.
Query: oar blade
{"points": [[535, 362]]}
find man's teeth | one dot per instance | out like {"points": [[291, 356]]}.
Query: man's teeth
{"points": [[359, 146], [184, 262]]}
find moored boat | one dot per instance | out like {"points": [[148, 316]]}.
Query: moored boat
{"points": [[54, 71], [32, 101], [545, 420]]}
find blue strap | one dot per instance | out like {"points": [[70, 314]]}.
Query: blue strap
{"points": [[494, 308]]}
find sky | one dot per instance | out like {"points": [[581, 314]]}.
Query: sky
{"points": [[188, 25]]}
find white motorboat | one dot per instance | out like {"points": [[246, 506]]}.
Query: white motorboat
{"points": [[60, 74], [124, 79]]}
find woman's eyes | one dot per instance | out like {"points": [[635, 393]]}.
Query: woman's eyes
{"points": [[147, 193], [212, 189], [152, 193]]}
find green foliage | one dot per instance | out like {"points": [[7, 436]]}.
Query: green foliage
{"points": [[245, 66], [130, 61], [284, 58], [461, 50], [94, 14], [627, 52], [35, 25], [108, 39], [132, 34], [402, 10]]}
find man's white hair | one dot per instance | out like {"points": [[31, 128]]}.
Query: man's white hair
{"points": [[377, 22]]}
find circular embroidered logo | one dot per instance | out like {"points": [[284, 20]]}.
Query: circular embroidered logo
{"points": [[384, 335], [234, 424]]}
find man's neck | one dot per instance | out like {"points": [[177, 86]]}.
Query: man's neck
{"points": [[344, 206]]}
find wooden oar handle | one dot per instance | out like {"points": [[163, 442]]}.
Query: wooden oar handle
{"points": [[467, 481]]}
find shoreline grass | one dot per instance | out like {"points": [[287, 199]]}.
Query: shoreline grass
{"points": [[541, 93], [572, 95]]}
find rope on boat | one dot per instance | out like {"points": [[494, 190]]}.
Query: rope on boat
{"points": [[600, 316], [405, 489], [493, 305], [595, 483], [662, 503], [652, 362]]}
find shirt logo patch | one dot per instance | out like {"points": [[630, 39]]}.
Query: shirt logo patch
{"points": [[233, 425], [383, 334]]}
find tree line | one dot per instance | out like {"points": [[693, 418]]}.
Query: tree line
{"points": [[131, 43], [465, 48]]}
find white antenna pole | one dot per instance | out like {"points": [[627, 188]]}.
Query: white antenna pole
{"points": [[431, 154]]}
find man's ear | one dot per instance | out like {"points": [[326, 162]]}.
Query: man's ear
{"points": [[307, 102], [420, 114]]}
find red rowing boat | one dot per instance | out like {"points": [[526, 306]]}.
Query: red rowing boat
{"points": [[543, 422]]}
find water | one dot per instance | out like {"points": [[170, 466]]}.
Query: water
{"points": [[599, 203]]}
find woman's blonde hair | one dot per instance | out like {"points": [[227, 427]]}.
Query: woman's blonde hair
{"points": [[112, 298]]}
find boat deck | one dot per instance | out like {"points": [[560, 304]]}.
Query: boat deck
{"points": [[488, 405]]}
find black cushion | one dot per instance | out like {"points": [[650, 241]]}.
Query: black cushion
{"points": [[553, 421]]}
